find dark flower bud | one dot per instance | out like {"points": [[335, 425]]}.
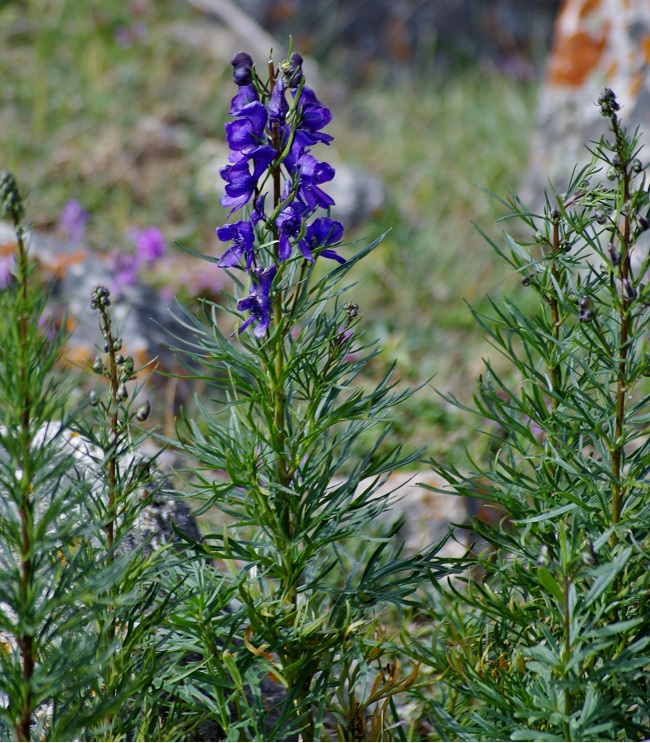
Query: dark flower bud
{"points": [[608, 103], [11, 203], [589, 556], [121, 393], [543, 558], [292, 70], [643, 222], [98, 366], [555, 215], [612, 173], [119, 359], [143, 411], [351, 309], [117, 344], [600, 216], [128, 365], [586, 313], [614, 256], [242, 68], [527, 279], [93, 398], [629, 291], [637, 165], [100, 298]]}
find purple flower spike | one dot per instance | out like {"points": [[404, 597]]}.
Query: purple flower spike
{"points": [[258, 303], [243, 237]]}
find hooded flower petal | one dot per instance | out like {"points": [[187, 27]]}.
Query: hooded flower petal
{"points": [[243, 237], [258, 302]]}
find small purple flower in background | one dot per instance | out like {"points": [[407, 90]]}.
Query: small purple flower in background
{"points": [[149, 244], [125, 271], [258, 303], [72, 221], [127, 35], [149, 247], [6, 264]]}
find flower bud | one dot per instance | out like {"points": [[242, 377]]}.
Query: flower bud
{"points": [[637, 165], [100, 297], [527, 279], [242, 69], [351, 309], [292, 70], [11, 203], [543, 558], [629, 291], [119, 359], [608, 103], [121, 393], [98, 366], [589, 556], [612, 173], [586, 313], [142, 413], [600, 216], [93, 398], [614, 256]]}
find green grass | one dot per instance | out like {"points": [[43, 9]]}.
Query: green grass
{"points": [[72, 99]]}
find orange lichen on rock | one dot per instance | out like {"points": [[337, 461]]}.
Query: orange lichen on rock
{"points": [[645, 49], [575, 57], [588, 6]]}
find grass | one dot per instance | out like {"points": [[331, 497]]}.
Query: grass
{"points": [[73, 103]]}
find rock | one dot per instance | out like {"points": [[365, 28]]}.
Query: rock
{"points": [[596, 44], [140, 313]]}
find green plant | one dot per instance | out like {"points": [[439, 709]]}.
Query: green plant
{"points": [[311, 581], [550, 640]]}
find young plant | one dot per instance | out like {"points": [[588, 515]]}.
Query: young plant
{"points": [[551, 639], [81, 603], [312, 582]]}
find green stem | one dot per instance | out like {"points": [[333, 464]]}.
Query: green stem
{"points": [[26, 640], [554, 370], [623, 342], [566, 730]]}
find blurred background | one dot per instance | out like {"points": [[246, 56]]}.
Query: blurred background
{"points": [[112, 119]]}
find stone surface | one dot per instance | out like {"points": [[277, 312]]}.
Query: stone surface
{"points": [[596, 44]]}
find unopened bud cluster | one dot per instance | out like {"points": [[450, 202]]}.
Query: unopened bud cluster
{"points": [[11, 203], [120, 369]]}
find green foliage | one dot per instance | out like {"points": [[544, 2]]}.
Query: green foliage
{"points": [[312, 582], [550, 639]]}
